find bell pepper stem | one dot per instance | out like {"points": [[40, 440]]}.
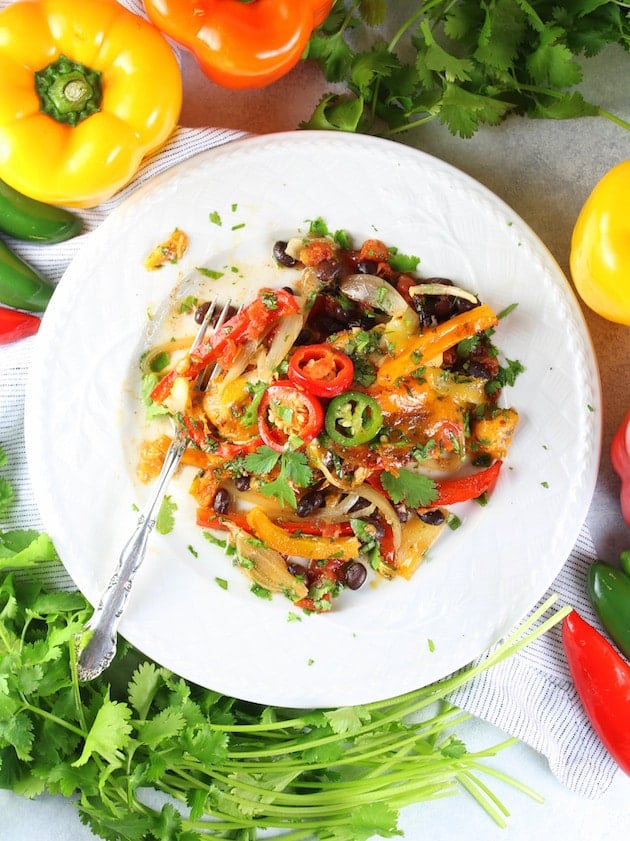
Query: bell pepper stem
{"points": [[68, 92]]}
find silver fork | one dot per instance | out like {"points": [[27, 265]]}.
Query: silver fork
{"points": [[101, 630]]}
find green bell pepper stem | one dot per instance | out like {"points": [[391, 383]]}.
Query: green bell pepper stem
{"points": [[68, 92], [21, 286], [34, 221], [609, 591]]}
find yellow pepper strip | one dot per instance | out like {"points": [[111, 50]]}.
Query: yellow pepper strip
{"points": [[306, 546], [87, 90], [600, 247], [433, 341]]}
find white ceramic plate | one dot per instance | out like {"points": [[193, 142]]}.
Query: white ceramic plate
{"points": [[83, 420]]}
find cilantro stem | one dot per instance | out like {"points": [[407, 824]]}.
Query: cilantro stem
{"points": [[55, 719], [624, 124]]}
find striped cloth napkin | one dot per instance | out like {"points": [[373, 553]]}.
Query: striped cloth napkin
{"points": [[529, 696]]}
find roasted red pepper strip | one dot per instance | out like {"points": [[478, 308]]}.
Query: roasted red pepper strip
{"points": [[251, 322], [451, 491], [16, 325], [602, 680]]}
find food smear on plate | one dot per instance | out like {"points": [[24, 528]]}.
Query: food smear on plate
{"points": [[348, 408]]}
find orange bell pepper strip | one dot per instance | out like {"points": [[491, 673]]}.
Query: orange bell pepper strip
{"points": [[301, 546], [433, 341], [241, 45]]}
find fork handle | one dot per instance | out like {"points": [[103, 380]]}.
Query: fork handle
{"points": [[100, 649]]}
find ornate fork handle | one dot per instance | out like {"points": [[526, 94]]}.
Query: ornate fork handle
{"points": [[100, 649]]}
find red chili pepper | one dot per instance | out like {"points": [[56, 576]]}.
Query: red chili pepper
{"points": [[602, 680], [285, 411], [16, 325], [451, 491], [620, 459], [321, 369]]}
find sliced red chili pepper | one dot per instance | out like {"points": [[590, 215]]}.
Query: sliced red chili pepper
{"points": [[602, 680], [448, 436], [287, 411], [321, 369], [16, 325], [451, 491]]}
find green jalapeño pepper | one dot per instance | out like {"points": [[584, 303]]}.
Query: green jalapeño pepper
{"points": [[353, 418], [609, 591], [20, 285], [35, 221]]}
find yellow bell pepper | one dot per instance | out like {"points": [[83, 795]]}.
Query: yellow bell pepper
{"points": [[301, 546], [87, 90], [600, 247]]}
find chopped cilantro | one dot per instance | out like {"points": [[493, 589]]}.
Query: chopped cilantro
{"points": [[402, 262], [215, 217], [165, 521], [213, 274], [414, 489], [294, 470]]}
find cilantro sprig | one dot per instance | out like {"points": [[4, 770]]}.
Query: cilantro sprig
{"points": [[293, 470], [461, 62], [144, 754]]}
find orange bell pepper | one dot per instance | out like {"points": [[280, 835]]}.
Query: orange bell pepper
{"points": [[433, 341], [241, 45]]}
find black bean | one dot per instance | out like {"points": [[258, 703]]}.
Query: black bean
{"points": [[374, 528], [280, 254], [403, 512], [367, 266], [474, 368], [309, 502], [241, 483], [200, 312], [356, 574], [433, 517], [221, 501], [328, 270]]}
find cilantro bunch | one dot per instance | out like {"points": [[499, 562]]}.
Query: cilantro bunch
{"points": [[147, 755], [462, 62]]}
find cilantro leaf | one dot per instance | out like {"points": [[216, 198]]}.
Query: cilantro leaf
{"points": [[262, 461], [414, 489], [109, 734]]}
